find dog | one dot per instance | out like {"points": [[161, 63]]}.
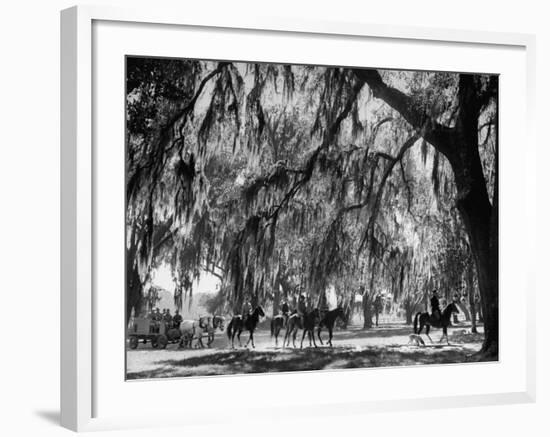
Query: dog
{"points": [[416, 339]]}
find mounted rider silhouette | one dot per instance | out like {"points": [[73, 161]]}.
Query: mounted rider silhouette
{"points": [[246, 310], [302, 307], [285, 310], [436, 309]]}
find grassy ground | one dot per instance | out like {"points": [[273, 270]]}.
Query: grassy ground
{"points": [[353, 348]]}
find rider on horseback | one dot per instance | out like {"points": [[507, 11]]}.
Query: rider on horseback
{"points": [[285, 310], [436, 309], [302, 307], [246, 309]]}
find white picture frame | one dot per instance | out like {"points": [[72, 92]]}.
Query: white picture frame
{"points": [[79, 200]]}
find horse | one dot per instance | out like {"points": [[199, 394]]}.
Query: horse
{"points": [[237, 324], [277, 324], [196, 329], [328, 321], [294, 323], [191, 330], [424, 319], [208, 326], [217, 322]]}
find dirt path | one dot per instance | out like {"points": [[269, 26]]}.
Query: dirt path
{"points": [[354, 347]]}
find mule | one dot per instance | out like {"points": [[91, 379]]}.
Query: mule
{"points": [[237, 325], [424, 319], [328, 321]]}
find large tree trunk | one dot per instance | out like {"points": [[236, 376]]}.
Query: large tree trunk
{"points": [[276, 297], [409, 307], [471, 297], [134, 295], [367, 311], [486, 259], [479, 216]]}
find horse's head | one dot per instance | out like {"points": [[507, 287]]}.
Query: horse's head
{"points": [[260, 311], [219, 322], [451, 308], [454, 308], [204, 322]]}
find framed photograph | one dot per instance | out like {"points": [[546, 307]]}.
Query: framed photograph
{"points": [[256, 203]]}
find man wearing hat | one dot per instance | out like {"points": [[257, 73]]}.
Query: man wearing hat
{"points": [[177, 319]]}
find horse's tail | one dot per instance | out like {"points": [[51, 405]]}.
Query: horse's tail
{"points": [[415, 325]]}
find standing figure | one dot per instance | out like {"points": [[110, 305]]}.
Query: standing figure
{"points": [[377, 307], [167, 318], [177, 319]]}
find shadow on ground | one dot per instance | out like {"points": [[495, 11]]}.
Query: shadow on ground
{"points": [[283, 360], [51, 416]]}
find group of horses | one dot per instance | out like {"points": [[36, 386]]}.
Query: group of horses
{"points": [[308, 322], [190, 330], [292, 322]]}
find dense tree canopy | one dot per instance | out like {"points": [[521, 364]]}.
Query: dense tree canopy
{"points": [[283, 179]]}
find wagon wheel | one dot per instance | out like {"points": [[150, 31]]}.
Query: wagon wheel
{"points": [[162, 341], [133, 342], [173, 334], [154, 342]]}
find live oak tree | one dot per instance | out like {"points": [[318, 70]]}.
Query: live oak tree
{"points": [[283, 180]]}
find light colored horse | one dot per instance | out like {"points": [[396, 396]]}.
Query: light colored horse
{"points": [[198, 329]]}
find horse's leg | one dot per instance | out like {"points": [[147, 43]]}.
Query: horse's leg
{"points": [[319, 334], [288, 334], [330, 336], [428, 333], [445, 335], [252, 338], [303, 336], [294, 334], [313, 337]]}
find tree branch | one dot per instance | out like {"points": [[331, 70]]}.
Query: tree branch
{"points": [[435, 133]]}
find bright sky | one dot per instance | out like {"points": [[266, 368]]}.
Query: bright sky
{"points": [[162, 277]]}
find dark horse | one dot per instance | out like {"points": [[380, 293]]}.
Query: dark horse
{"points": [[424, 319], [328, 321], [310, 319], [277, 324], [237, 324]]}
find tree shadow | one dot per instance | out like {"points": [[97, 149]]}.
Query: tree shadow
{"points": [[308, 359]]}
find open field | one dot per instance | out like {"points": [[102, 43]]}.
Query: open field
{"points": [[353, 348]]}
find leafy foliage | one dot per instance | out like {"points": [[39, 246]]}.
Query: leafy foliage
{"points": [[291, 179]]}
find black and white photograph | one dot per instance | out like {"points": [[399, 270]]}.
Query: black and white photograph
{"points": [[284, 218]]}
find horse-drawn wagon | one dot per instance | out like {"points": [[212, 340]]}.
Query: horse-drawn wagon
{"points": [[146, 330]]}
